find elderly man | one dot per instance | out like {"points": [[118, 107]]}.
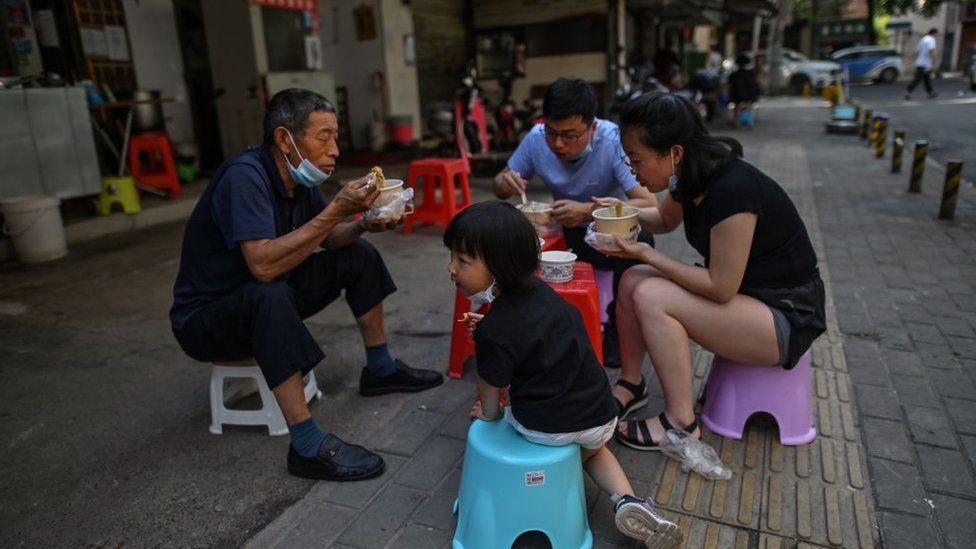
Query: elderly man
{"points": [[252, 269], [579, 158]]}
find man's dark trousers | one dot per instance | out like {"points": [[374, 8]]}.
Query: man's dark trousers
{"points": [[264, 320], [923, 75]]}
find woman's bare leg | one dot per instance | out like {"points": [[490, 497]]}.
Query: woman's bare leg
{"points": [[668, 315], [632, 348]]}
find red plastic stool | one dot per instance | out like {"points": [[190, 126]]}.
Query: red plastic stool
{"points": [[581, 292], [151, 162], [584, 294], [554, 242], [446, 171], [462, 345]]}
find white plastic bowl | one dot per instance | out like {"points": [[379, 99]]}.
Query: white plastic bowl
{"points": [[556, 266]]}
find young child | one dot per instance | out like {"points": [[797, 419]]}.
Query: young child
{"points": [[534, 342]]}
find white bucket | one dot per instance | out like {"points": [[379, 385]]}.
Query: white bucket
{"points": [[377, 136], [34, 225]]}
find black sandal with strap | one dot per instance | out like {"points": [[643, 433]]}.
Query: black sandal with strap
{"points": [[644, 442], [639, 391]]}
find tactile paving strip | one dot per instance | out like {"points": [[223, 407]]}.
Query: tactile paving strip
{"points": [[781, 496]]}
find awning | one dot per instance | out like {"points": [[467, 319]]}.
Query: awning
{"points": [[702, 11]]}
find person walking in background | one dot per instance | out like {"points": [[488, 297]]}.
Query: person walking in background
{"points": [[924, 63], [714, 60], [743, 87]]}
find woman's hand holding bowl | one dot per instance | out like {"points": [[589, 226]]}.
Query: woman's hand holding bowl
{"points": [[641, 251]]}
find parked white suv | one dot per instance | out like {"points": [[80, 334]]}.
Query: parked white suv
{"points": [[797, 69]]}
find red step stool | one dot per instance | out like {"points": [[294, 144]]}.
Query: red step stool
{"points": [[446, 171], [151, 162], [555, 242], [581, 292]]}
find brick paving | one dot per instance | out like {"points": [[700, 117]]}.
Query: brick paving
{"points": [[903, 286]]}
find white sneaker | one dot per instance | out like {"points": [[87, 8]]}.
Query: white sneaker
{"points": [[636, 518]]}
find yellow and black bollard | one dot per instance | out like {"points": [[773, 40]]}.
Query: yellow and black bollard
{"points": [[897, 146], [918, 167], [950, 192], [875, 130], [881, 139], [865, 124]]}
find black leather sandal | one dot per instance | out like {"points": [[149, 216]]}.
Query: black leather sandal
{"points": [[630, 438], [640, 397]]}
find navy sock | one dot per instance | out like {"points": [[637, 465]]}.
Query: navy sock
{"points": [[306, 437], [379, 362]]}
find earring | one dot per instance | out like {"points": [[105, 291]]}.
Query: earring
{"points": [[673, 180]]}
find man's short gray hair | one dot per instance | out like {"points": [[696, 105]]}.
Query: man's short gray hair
{"points": [[290, 109]]}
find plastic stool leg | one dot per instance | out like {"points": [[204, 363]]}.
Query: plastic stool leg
{"points": [[461, 346], [276, 420], [448, 192], [312, 387], [465, 190], [216, 402]]}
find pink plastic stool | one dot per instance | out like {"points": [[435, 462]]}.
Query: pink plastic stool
{"points": [[604, 283], [734, 392]]}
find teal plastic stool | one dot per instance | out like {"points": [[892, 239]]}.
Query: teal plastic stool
{"points": [[511, 487]]}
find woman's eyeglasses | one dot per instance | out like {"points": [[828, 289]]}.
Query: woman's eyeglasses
{"points": [[634, 166]]}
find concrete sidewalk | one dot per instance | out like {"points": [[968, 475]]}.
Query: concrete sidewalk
{"points": [[108, 421]]}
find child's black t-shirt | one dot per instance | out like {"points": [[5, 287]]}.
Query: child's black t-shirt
{"points": [[781, 255], [535, 343]]}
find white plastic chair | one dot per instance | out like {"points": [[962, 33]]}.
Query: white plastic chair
{"points": [[246, 379]]}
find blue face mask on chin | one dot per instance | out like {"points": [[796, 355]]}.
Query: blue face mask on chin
{"points": [[587, 150], [306, 174]]}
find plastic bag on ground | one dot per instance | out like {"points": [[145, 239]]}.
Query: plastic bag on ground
{"points": [[695, 455], [392, 209]]}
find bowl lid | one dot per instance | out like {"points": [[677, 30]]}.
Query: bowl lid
{"points": [[557, 256], [534, 207]]}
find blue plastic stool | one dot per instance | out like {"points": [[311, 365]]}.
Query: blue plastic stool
{"points": [[844, 112], [747, 117], [511, 487]]}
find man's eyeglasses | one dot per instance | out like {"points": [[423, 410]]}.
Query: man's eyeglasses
{"points": [[569, 137]]}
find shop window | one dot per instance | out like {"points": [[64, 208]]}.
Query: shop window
{"points": [[575, 35], [284, 38]]}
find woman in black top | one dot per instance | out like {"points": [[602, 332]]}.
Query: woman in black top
{"points": [[533, 342], [758, 299]]}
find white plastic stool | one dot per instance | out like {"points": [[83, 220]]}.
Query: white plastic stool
{"points": [[250, 380]]}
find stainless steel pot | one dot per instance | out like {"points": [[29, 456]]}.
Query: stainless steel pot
{"points": [[149, 116]]}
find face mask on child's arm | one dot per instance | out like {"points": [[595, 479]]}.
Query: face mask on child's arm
{"points": [[483, 297]]}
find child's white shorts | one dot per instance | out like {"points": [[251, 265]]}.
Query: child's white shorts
{"points": [[590, 439]]}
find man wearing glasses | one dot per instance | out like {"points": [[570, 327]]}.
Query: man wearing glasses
{"points": [[579, 158]]}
